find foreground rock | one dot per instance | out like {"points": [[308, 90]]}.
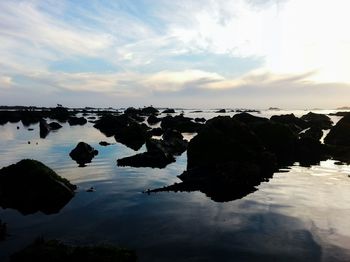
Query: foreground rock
{"points": [[154, 159], [83, 153], [294, 123], [30, 186], [55, 251], [180, 123]]}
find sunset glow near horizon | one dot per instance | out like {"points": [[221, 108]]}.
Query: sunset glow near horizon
{"points": [[194, 54]]}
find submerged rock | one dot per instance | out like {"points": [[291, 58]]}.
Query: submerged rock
{"points": [[30, 186], [55, 251], [83, 153]]}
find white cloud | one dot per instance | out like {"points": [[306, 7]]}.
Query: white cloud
{"points": [[5, 81]]}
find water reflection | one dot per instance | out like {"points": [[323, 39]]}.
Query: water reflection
{"points": [[301, 215]]}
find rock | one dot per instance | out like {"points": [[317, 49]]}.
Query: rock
{"points": [[91, 189], [44, 128], [313, 133], [155, 159], [55, 251], [104, 143], [294, 123], [60, 113], [73, 121], [150, 110], [109, 124], [169, 111], [30, 186], [30, 129], [249, 119], [310, 151], [318, 120], [156, 132], [54, 126], [221, 111], [152, 120], [133, 135], [339, 135], [200, 120], [83, 153], [172, 143], [180, 123], [340, 113]]}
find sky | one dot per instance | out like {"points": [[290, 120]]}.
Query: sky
{"points": [[195, 54]]}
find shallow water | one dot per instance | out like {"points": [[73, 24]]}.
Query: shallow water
{"points": [[300, 215]]}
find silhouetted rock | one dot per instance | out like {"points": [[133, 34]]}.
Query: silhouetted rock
{"points": [[318, 120], [60, 113], [54, 126], [172, 143], [55, 251], [133, 135], [152, 120], [310, 151], [340, 134], [30, 186], [221, 111], [156, 132], [200, 120], [169, 111], [150, 110], [180, 123], [294, 123], [73, 121], [109, 124], [83, 153], [340, 113], [104, 143], [154, 159], [315, 133], [44, 128], [249, 119]]}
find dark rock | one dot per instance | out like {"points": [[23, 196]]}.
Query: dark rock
{"points": [[152, 120], [340, 134], [55, 251], [91, 189], [294, 123], [156, 159], [156, 132], [249, 119], [30, 129], [30, 186], [318, 120], [172, 143], [169, 111], [109, 124], [150, 110], [132, 111], [60, 113], [133, 135], [340, 113], [313, 133], [91, 117], [83, 153], [310, 151], [73, 121], [44, 128], [104, 143], [54, 126], [221, 111], [180, 123], [200, 120]]}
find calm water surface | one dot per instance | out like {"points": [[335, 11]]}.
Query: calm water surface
{"points": [[300, 215]]}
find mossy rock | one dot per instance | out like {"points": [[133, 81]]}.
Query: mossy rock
{"points": [[30, 186]]}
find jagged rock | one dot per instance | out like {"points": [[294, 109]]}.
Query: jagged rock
{"points": [[30, 186], [155, 159], [169, 111], [44, 128], [340, 134], [133, 135], [294, 123], [318, 120], [310, 151], [249, 119], [152, 120], [180, 123], [83, 153], [172, 143], [342, 113], [73, 121], [150, 110], [55, 251]]}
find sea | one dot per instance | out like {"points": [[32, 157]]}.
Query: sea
{"points": [[301, 214]]}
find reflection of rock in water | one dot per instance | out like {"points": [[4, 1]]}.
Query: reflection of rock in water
{"points": [[55, 251], [83, 153], [230, 156], [29, 186]]}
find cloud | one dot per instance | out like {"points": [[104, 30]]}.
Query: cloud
{"points": [[5, 81]]}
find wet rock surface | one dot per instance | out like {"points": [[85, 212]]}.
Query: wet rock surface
{"points": [[83, 153], [29, 186]]}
